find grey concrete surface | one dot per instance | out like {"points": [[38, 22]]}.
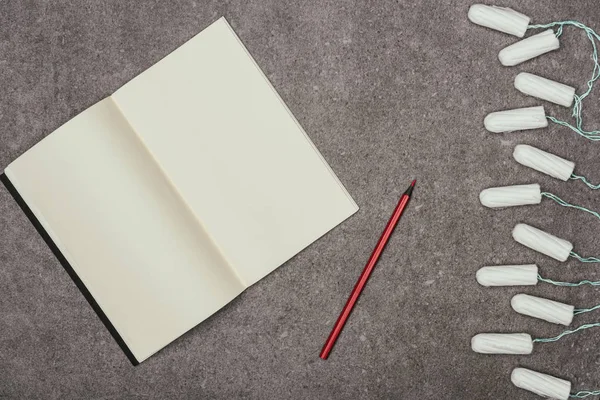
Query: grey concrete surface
{"points": [[388, 91]]}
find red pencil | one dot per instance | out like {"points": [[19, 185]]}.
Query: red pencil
{"points": [[364, 276]]}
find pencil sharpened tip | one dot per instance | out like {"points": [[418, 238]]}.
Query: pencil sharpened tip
{"points": [[409, 191]]}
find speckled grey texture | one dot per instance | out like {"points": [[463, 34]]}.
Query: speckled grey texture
{"points": [[388, 91]]}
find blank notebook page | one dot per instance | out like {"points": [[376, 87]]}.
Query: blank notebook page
{"points": [[237, 156], [125, 232]]}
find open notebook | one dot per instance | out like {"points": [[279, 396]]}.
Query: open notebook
{"points": [[190, 183]]}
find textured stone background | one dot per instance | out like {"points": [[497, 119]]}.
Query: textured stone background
{"points": [[388, 91]]}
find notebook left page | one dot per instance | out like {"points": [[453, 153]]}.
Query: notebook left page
{"points": [[122, 226]]}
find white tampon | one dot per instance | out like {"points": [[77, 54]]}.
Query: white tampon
{"points": [[518, 119], [545, 89], [529, 48], [544, 162], [507, 196], [541, 384], [508, 275], [499, 18], [548, 310], [502, 343], [545, 243]]}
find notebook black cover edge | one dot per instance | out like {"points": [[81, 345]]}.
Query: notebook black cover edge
{"points": [[68, 268]]}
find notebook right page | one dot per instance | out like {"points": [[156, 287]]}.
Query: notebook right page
{"points": [[222, 135]]}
